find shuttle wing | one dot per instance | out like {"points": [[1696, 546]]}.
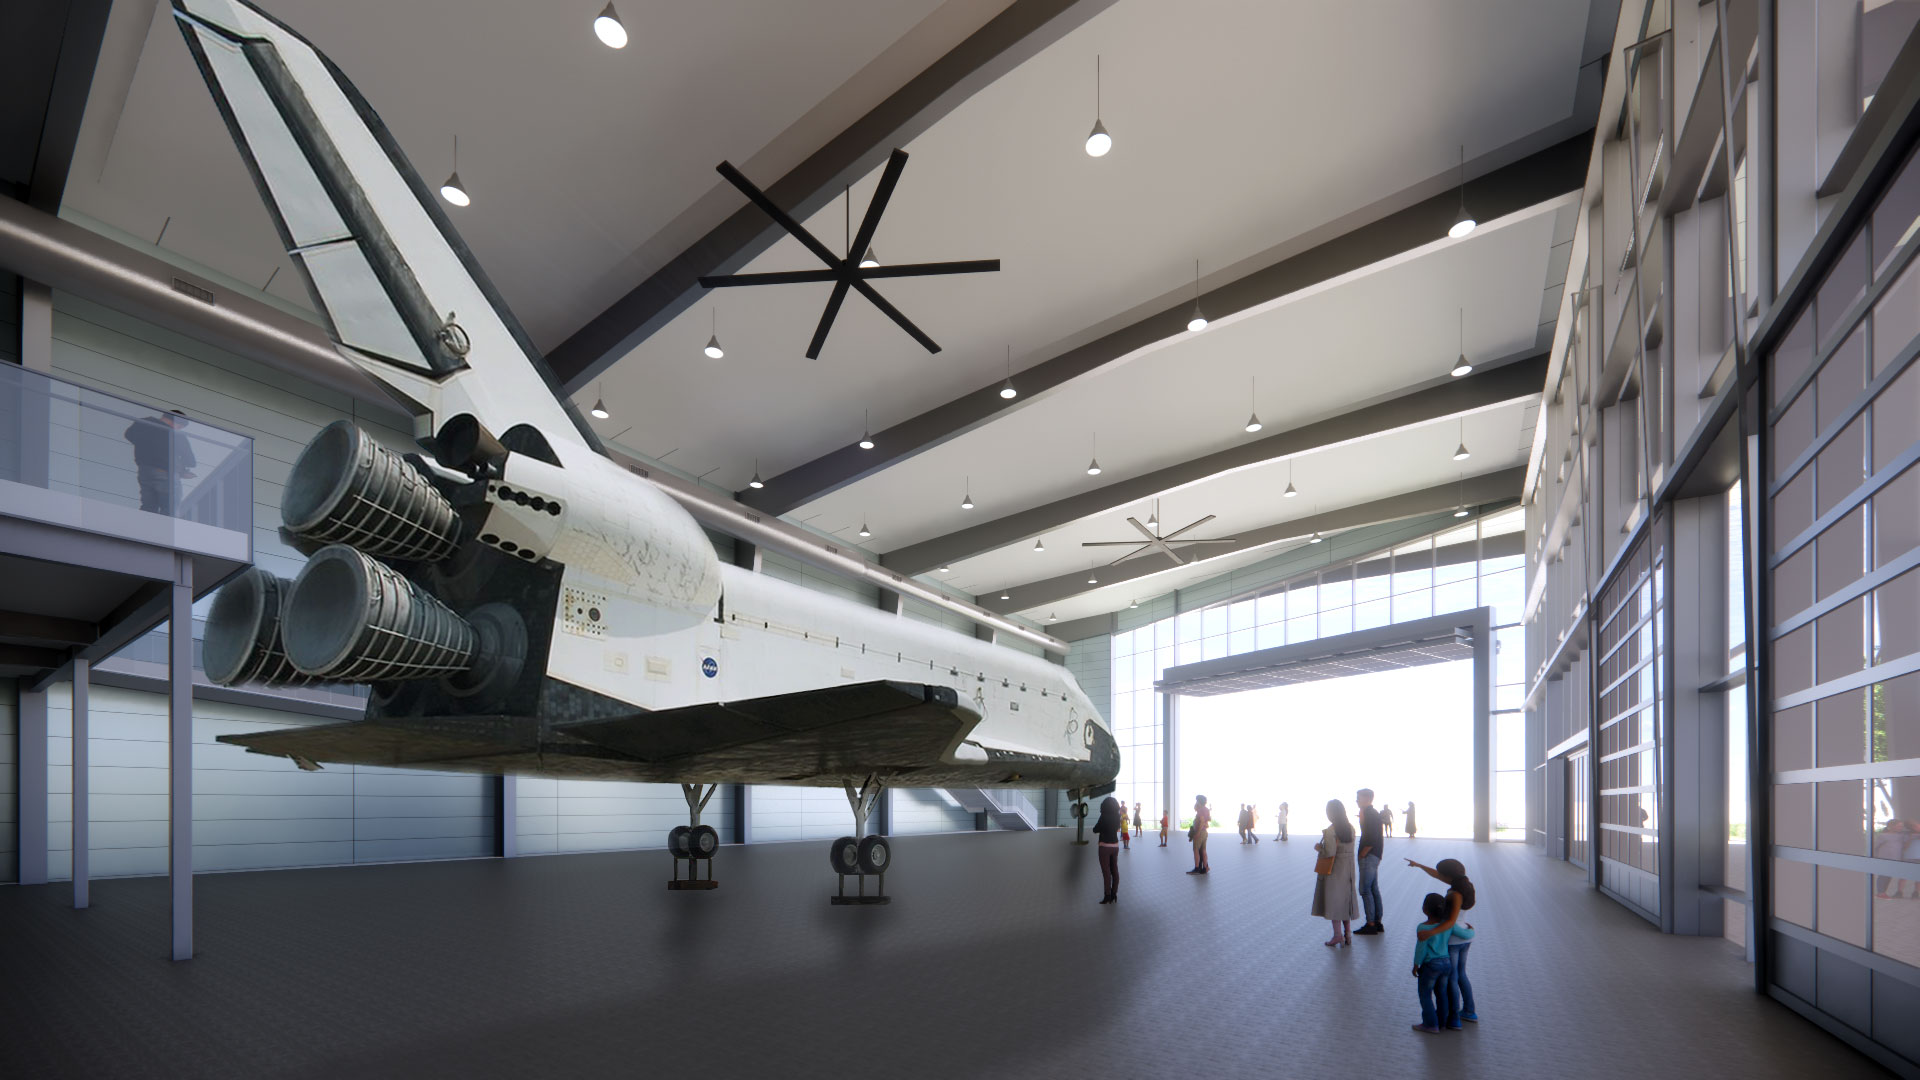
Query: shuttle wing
{"points": [[400, 293]]}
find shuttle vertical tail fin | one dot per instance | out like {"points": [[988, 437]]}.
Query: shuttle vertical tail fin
{"points": [[400, 293]]}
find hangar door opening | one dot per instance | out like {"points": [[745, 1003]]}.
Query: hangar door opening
{"points": [[1402, 709]]}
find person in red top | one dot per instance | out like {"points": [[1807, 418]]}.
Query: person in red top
{"points": [[1202, 817], [1163, 828]]}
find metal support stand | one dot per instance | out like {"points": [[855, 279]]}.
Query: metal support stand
{"points": [[693, 843], [862, 801], [1080, 821]]}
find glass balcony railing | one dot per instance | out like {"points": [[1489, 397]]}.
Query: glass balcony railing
{"points": [[77, 441]]}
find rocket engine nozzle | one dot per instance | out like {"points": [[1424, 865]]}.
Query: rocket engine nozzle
{"points": [[243, 633], [347, 489], [352, 618]]}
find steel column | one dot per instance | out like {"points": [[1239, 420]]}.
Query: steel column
{"points": [[1483, 727], [82, 691], [506, 817], [32, 760], [180, 758]]}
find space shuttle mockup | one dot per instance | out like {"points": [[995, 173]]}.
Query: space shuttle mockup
{"points": [[519, 602]]}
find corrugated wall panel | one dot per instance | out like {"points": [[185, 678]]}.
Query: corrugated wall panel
{"points": [[775, 565], [1091, 662], [250, 811], [800, 813], [919, 810], [615, 815]]}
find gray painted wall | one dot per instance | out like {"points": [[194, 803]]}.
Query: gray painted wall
{"points": [[9, 782], [558, 816]]}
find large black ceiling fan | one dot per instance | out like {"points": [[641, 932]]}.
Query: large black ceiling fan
{"points": [[844, 271]]}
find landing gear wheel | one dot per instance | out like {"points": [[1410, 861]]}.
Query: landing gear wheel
{"points": [[875, 855], [845, 855], [702, 842], [677, 842]]}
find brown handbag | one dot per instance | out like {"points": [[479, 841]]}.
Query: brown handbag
{"points": [[1323, 865]]}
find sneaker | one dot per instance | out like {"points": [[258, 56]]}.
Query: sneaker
{"points": [[1426, 1029], [1453, 1027], [1195, 870], [1371, 928], [1470, 1018]]}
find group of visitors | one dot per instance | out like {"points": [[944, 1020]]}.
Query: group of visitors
{"points": [[1347, 885], [1346, 889]]}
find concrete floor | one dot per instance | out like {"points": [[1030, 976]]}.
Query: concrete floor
{"points": [[993, 961]]}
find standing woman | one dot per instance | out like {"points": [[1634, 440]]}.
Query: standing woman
{"points": [[1283, 821], [1460, 897], [1335, 895], [1112, 822], [1202, 817], [1411, 827]]}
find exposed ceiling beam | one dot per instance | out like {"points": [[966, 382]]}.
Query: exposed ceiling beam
{"points": [[47, 55], [1474, 491], [1529, 181], [39, 629], [1509, 381], [1006, 41]]}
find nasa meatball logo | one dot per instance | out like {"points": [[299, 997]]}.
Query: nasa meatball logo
{"points": [[710, 667]]}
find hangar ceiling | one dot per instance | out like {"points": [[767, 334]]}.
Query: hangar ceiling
{"points": [[1239, 140]]}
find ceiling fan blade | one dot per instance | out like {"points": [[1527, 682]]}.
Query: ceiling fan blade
{"points": [[759, 198], [971, 266], [783, 277], [826, 320], [1189, 528], [1110, 543], [893, 313], [1228, 540], [1145, 549], [869, 224], [1144, 531]]}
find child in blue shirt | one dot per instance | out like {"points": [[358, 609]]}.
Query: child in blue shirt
{"points": [[1432, 966]]}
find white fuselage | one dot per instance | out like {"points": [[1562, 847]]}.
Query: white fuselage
{"points": [[648, 615]]}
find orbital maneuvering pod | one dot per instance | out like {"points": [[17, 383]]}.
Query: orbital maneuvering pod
{"points": [[351, 615]]}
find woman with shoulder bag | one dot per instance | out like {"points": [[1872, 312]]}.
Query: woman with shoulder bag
{"points": [[1336, 896]]}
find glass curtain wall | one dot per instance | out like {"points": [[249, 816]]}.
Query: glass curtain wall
{"points": [[1843, 558], [1454, 570], [1630, 676]]}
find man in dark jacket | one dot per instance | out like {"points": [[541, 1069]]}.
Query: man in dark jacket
{"points": [[162, 457]]}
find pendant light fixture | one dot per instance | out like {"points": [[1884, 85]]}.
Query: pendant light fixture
{"points": [[1460, 366], [756, 483], [1039, 544], [1093, 466], [1253, 418], [966, 500], [868, 261], [1051, 617], [1461, 453], [1135, 604], [1007, 391], [1153, 519], [1464, 223], [1291, 490], [713, 349], [453, 191], [946, 569], [1099, 142], [864, 531], [608, 28], [866, 429], [1092, 578], [1199, 320], [1315, 538], [1460, 508], [1005, 595], [599, 409]]}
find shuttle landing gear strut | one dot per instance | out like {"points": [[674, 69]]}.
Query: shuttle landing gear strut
{"points": [[1079, 818], [861, 855], [694, 841]]}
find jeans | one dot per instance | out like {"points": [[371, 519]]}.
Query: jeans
{"points": [[1110, 870], [1460, 991], [1436, 983], [1370, 887]]}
